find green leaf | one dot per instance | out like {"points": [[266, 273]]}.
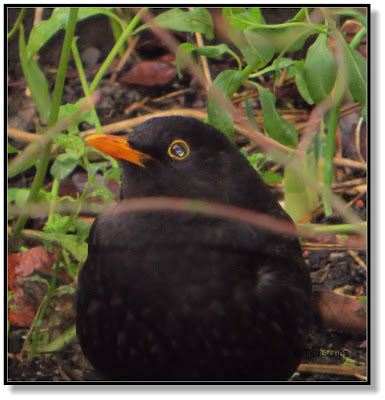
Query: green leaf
{"points": [[300, 199], [271, 177], [38, 278], [64, 165], [208, 51], [106, 195], [255, 46], [66, 289], [21, 197], [363, 301], [69, 110], [226, 83], [70, 142], [198, 20], [291, 38], [56, 223], [183, 51], [256, 15], [319, 70], [44, 30], [300, 81], [83, 228], [36, 80], [93, 168], [257, 160], [11, 149], [356, 70], [69, 242], [276, 127], [242, 19]]}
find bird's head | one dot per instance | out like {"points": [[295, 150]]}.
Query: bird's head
{"points": [[182, 157]]}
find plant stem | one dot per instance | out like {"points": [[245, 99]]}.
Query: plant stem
{"points": [[39, 319], [329, 155], [62, 70], [127, 31], [338, 229], [42, 163], [357, 38], [17, 23], [52, 203], [247, 71], [83, 80]]}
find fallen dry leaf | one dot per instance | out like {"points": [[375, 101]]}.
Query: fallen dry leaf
{"points": [[27, 294], [150, 73], [339, 312]]}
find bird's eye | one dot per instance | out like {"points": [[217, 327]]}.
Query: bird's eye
{"points": [[178, 149]]}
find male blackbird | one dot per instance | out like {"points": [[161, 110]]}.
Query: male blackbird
{"points": [[170, 296]]}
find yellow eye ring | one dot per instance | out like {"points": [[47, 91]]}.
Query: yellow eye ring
{"points": [[178, 149]]}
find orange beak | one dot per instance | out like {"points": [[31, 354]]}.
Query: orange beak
{"points": [[117, 147]]}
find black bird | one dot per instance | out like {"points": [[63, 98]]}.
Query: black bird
{"points": [[170, 296]]}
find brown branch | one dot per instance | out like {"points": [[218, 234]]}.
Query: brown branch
{"points": [[347, 370]]}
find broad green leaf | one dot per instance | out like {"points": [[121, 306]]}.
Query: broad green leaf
{"points": [[68, 110], [184, 50], [291, 38], [244, 19], [282, 63], [57, 223], [44, 30], [208, 51], [301, 199], [257, 160], [21, 197], [83, 228], [69, 242], [276, 127], [363, 301], [229, 11], [256, 15], [296, 197], [11, 149], [226, 83], [279, 64], [104, 193], [271, 177], [64, 165], [319, 69], [356, 70], [255, 46], [198, 20], [38, 278], [300, 81], [70, 142], [66, 289], [36, 80]]}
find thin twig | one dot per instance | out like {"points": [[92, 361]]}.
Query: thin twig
{"points": [[38, 15], [333, 369], [205, 65], [358, 138], [357, 259]]}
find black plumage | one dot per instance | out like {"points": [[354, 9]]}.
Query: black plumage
{"points": [[175, 296]]}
